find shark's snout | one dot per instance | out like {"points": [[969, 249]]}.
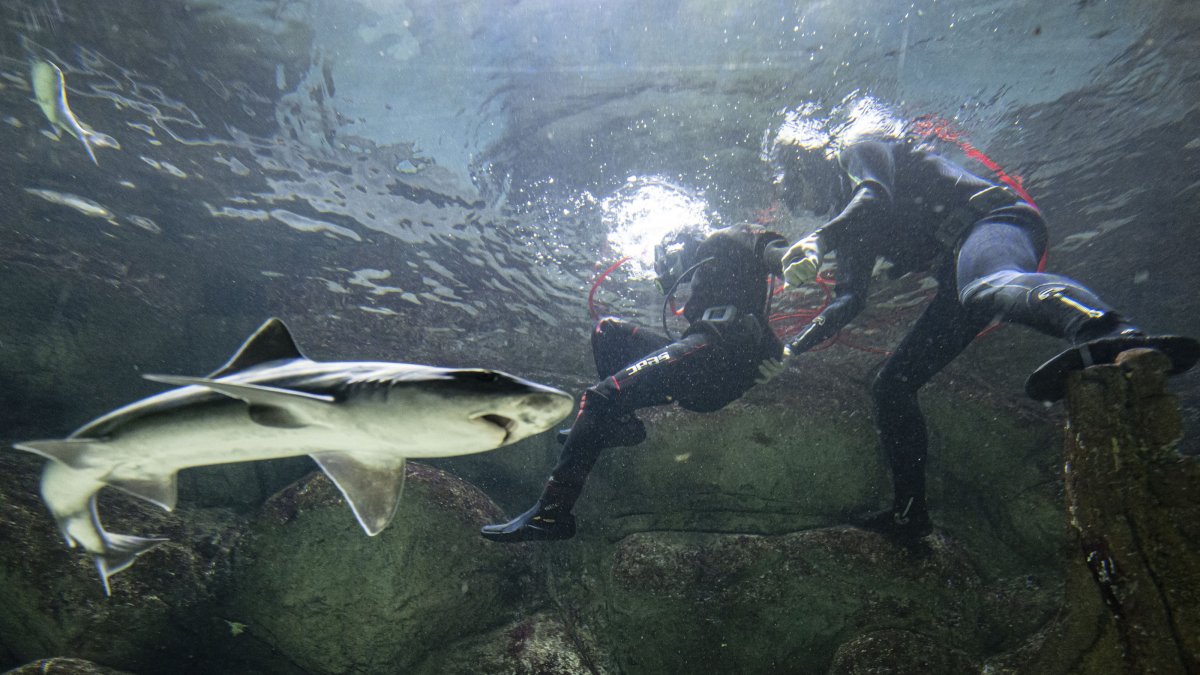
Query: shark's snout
{"points": [[547, 407], [527, 414]]}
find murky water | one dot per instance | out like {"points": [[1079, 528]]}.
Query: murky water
{"points": [[470, 183]]}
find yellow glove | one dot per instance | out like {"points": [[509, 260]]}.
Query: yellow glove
{"points": [[802, 261], [769, 369]]}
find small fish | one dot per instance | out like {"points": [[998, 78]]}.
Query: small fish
{"points": [[144, 223], [50, 91], [83, 205], [359, 420]]}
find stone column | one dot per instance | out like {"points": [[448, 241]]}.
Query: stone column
{"points": [[1134, 508]]}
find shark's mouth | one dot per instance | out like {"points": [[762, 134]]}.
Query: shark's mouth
{"points": [[507, 424]]}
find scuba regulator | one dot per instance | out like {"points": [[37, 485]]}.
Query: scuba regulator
{"points": [[675, 258]]}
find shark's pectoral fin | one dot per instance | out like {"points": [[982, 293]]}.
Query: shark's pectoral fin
{"points": [[372, 485], [120, 550], [161, 490], [250, 393], [70, 451], [269, 406]]}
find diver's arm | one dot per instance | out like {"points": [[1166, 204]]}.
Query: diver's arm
{"points": [[801, 262], [856, 223], [854, 277]]}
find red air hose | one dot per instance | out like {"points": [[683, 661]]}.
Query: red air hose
{"points": [[931, 125], [596, 284]]}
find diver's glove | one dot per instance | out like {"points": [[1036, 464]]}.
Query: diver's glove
{"points": [[769, 369], [802, 261]]}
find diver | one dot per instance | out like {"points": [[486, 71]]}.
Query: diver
{"points": [[981, 243], [715, 361]]}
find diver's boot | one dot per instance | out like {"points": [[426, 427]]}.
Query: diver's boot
{"points": [[907, 522], [1099, 341], [625, 431], [549, 519], [1060, 306]]}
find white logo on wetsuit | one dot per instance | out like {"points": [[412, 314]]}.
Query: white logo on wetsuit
{"points": [[646, 362]]}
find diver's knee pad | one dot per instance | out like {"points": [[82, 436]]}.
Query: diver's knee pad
{"points": [[1005, 283]]}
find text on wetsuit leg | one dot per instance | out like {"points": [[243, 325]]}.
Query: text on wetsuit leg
{"points": [[648, 361]]}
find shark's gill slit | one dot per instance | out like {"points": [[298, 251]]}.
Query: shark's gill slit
{"points": [[505, 423]]}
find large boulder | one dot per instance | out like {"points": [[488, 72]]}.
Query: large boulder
{"points": [[683, 602], [792, 462], [309, 584], [63, 666], [550, 642], [898, 652], [723, 539]]}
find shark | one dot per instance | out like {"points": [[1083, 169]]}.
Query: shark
{"points": [[359, 420], [50, 92]]}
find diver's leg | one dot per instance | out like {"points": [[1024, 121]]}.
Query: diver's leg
{"points": [[941, 334], [605, 420], [616, 343], [997, 276]]}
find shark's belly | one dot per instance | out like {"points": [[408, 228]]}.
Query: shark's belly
{"points": [[227, 434], [166, 446]]}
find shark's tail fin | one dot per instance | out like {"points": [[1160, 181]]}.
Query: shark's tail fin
{"points": [[120, 550]]}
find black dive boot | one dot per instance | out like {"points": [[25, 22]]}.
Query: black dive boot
{"points": [[1060, 306], [1095, 347], [905, 523], [549, 519]]}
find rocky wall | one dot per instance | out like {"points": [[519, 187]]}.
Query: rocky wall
{"points": [[721, 544]]}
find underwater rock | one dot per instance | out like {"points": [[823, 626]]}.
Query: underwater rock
{"points": [[783, 462], [743, 469], [719, 544], [897, 652], [312, 593], [63, 666], [243, 486], [1133, 603], [546, 643], [695, 602], [52, 602]]}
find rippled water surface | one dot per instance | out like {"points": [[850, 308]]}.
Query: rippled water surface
{"points": [[448, 181]]}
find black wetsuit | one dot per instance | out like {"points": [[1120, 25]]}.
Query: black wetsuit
{"points": [[915, 209], [712, 364]]}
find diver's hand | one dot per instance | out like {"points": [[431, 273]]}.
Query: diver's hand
{"points": [[802, 261], [770, 369], [801, 272]]}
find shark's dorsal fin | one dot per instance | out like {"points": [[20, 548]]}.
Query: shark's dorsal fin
{"points": [[372, 485], [271, 342]]}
